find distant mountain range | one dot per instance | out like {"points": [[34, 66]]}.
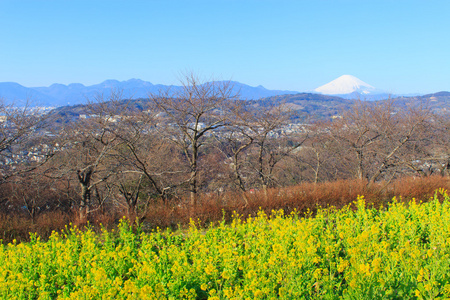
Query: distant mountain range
{"points": [[56, 95], [76, 93]]}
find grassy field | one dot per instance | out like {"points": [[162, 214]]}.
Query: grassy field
{"points": [[401, 251]]}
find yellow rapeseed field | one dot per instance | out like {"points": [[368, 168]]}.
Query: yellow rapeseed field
{"points": [[397, 252]]}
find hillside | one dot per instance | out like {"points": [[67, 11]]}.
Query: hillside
{"points": [[314, 106], [438, 103]]}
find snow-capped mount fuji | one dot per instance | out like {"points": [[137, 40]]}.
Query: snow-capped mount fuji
{"points": [[348, 86], [345, 84]]}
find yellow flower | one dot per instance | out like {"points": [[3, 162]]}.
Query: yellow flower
{"points": [[376, 265], [364, 269], [209, 269], [228, 292], [342, 265], [420, 276], [317, 273], [226, 274], [258, 293]]}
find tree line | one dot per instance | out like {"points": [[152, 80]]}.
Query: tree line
{"points": [[203, 140]]}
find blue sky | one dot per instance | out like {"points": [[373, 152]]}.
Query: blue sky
{"points": [[398, 46]]}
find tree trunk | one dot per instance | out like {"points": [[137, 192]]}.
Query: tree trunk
{"points": [[193, 188], [238, 179], [359, 171], [193, 178], [316, 170], [85, 201], [266, 195], [261, 171], [84, 177]]}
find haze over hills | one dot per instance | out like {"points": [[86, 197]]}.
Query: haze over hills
{"points": [[307, 107], [56, 95], [76, 93], [438, 103], [346, 86]]}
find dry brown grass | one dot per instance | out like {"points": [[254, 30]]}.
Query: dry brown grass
{"points": [[19, 226], [302, 198], [216, 207]]}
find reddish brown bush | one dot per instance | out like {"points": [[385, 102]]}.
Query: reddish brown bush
{"points": [[213, 207]]}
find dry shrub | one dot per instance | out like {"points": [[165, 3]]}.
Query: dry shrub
{"points": [[301, 198], [50, 221], [215, 207], [420, 188], [13, 227], [18, 227], [163, 214]]}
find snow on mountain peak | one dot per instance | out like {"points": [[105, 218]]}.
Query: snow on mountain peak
{"points": [[345, 84]]}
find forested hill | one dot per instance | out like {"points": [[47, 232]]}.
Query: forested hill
{"points": [[323, 107], [438, 103], [311, 106]]}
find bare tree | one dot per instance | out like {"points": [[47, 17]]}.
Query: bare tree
{"points": [[192, 112], [441, 142], [150, 165], [317, 154], [272, 141], [375, 135], [233, 143], [429, 153], [23, 139], [88, 149], [402, 132]]}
